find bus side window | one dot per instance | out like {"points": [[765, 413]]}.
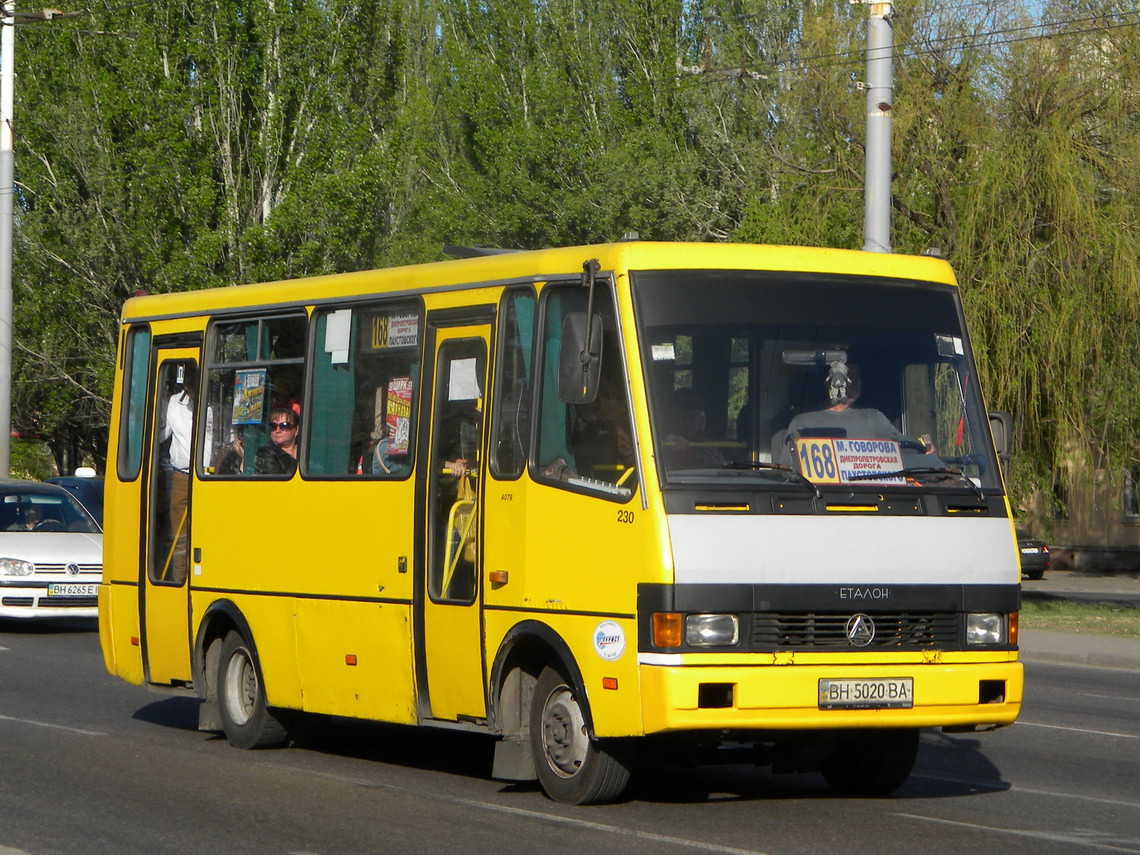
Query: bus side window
{"points": [[134, 403], [511, 430], [365, 376], [254, 367], [589, 444]]}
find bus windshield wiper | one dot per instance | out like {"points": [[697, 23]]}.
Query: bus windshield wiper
{"points": [[781, 468], [913, 471]]}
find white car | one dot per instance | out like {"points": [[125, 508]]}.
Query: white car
{"points": [[51, 553]]}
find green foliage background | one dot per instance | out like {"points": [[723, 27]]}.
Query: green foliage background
{"points": [[194, 143]]}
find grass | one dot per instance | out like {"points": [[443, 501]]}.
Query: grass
{"points": [[1092, 618]]}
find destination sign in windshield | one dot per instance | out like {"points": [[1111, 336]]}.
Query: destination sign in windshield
{"points": [[826, 460]]}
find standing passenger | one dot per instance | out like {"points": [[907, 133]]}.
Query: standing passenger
{"points": [[178, 427]]}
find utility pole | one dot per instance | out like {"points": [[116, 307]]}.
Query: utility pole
{"points": [[7, 206], [7, 189], [879, 87]]}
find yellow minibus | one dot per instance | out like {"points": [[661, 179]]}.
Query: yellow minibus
{"points": [[589, 501]]}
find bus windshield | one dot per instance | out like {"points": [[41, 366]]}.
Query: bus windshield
{"points": [[758, 377]]}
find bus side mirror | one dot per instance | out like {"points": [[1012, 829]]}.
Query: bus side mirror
{"points": [[579, 359], [1001, 426]]}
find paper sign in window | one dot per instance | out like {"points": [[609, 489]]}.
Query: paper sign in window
{"points": [[463, 380]]}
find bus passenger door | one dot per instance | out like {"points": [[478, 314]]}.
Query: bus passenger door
{"points": [[451, 662], [164, 600]]}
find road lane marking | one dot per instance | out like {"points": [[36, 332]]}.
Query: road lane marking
{"points": [[1053, 837], [78, 730], [1081, 730], [1005, 787], [1091, 695], [698, 845]]}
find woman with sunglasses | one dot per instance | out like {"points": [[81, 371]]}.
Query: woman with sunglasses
{"points": [[279, 455]]}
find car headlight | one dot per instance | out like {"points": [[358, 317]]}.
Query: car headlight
{"points": [[711, 630], [16, 567], [985, 628]]}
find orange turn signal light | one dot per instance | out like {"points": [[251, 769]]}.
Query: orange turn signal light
{"points": [[1013, 621], [667, 629]]}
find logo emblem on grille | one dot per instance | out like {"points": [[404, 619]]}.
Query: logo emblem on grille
{"points": [[860, 630], [72, 569]]}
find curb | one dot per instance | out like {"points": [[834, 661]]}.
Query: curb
{"points": [[1088, 660], [1105, 598]]}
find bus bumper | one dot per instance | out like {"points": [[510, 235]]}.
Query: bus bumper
{"points": [[787, 697]]}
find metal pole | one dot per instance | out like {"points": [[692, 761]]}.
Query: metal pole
{"points": [[7, 188], [880, 95]]}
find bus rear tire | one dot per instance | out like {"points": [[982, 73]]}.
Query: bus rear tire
{"points": [[246, 718], [572, 767], [871, 762]]}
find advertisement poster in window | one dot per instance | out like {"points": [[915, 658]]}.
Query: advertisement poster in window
{"points": [[399, 413], [249, 396]]}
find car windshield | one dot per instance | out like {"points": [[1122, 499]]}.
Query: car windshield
{"points": [[36, 510], [858, 381]]}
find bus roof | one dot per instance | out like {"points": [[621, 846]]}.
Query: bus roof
{"points": [[536, 264]]}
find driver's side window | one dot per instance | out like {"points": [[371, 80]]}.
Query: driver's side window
{"points": [[585, 445]]}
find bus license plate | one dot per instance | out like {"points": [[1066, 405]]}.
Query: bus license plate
{"points": [[867, 694], [63, 589]]}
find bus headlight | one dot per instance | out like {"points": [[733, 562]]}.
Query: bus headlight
{"points": [[711, 630], [985, 628], [16, 567]]}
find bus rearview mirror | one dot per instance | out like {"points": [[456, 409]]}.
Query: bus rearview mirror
{"points": [[579, 359]]}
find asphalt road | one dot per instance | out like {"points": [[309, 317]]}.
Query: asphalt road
{"points": [[91, 765]]}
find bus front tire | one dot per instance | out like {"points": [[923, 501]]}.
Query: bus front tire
{"points": [[246, 718], [871, 762], [572, 767]]}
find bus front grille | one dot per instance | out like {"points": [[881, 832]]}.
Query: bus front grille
{"points": [[892, 630]]}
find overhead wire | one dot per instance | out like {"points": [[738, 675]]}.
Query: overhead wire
{"points": [[963, 42]]}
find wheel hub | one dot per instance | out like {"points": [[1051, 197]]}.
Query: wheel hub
{"points": [[564, 733]]}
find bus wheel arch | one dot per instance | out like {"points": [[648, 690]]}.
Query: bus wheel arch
{"points": [[220, 618], [526, 649], [541, 708], [232, 686]]}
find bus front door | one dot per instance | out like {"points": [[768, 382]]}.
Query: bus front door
{"points": [[451, 664], [163, 589]]}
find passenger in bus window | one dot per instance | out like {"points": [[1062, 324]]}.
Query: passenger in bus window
{"points": [[461, 426], [601, 441], [287, 390], [687, 445], [230, 458], [178, 429], [279, 455], [386, 460]]}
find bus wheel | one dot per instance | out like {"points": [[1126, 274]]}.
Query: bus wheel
{"points": [[572, 767], [246, 718], [871, 762]]}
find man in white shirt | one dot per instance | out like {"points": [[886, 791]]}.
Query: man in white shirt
{"points": [[178, 427]]}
